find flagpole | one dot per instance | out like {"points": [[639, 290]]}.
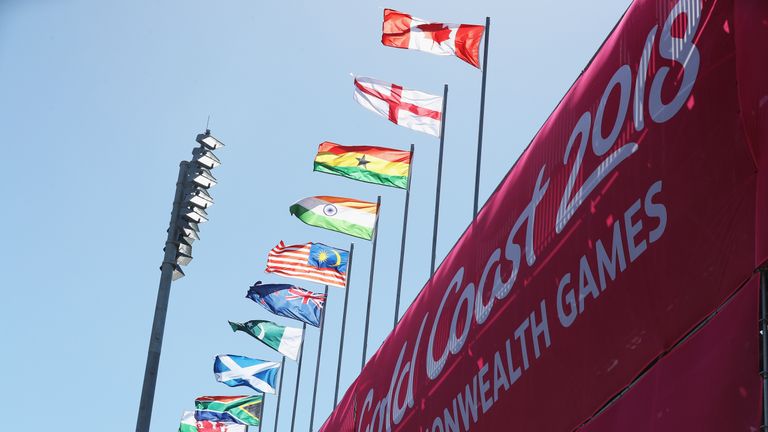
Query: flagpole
{"points": [[261, 420], [317, 365], [402, 241], [370, 282], [439, 179], [298, 374], [279, 394], [343, 325], [482, 118]]}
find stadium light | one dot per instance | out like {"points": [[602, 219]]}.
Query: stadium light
{"points": [[189, 204]]}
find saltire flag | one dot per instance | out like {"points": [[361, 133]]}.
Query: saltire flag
{"points": [[289, 301], [345, 215], [378, 165], [189, 424], [235, 370], [244, 410], [413, 109], [285, 340], [401, 30], [314, 262]]}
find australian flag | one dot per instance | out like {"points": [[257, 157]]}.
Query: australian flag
{"points": [[289, 301]]}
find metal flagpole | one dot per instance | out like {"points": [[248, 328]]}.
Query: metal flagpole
{"points": [[317, 365], [439, 178], [343, 325], [482, 117], [161, 311], [261, 419], [764, 340], [279, 394], [298, 374], [370, 282], [402, 242]]}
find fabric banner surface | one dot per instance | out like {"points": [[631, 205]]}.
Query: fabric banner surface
{"points": [[628, 220], [710, 383]]}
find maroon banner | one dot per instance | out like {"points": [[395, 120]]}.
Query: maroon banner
{"points": [[629, 219], [710, 383]]}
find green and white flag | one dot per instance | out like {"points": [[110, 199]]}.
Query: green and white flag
{"points": [[188, 423], [285, 340], [345, 215]]}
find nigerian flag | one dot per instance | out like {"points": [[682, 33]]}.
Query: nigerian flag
{"points": [[188, 422], [285, 340]]}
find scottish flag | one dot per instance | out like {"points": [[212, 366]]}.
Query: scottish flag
{"points": [[235, 370], [289, 301]]}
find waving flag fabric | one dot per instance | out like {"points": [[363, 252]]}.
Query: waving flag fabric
{"points": [[190, 424], [244, 410], [401, 30], [408, 108], [235, 370], [379, 165], [345, 215], [289, 301], [314, 262], [285, 340]]}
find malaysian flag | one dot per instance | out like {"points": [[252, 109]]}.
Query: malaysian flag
{"points": [[314, 262]]}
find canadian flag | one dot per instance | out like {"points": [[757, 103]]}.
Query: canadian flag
{"points": [[404, 31], [409, 108]]}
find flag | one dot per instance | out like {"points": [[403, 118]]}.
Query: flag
{"points": [[289, 301], [235, 370], [314, 262], [379, 165], [405, 107], [244, 410], [345, 215], [285, 340], [189, 424], [404, 31]]}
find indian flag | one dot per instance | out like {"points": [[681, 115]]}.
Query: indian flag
{"points": [[345, 215], [379, 165]]}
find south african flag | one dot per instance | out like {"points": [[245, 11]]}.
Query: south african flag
{"points": [[234, 409]]}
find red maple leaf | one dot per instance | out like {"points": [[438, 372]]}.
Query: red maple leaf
{"points": [[438, 32]]}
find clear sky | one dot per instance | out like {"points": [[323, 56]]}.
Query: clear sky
{"points": [[100, 100]]}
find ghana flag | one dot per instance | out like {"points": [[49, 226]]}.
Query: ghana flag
{"points": [[379, 165], [230, 409]]}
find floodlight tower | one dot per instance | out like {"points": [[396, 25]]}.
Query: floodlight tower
{"points": [[189, 205]]}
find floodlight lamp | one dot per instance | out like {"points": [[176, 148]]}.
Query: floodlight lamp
{"points": [[201, 177], [184, 254], [209, 141], [189, 229], [177, 272], [195, 214], [199, 198], [185, 239], [205, 158]]}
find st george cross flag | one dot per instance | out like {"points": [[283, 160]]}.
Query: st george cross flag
{"points": [[230, 409], [345, 215], [235, 370], [314, 262], [289, 301], [405, 107], [190, 424], [401, 30], [285, 340]]}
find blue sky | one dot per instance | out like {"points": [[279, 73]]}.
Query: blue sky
{"points": [[100, 101]]}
